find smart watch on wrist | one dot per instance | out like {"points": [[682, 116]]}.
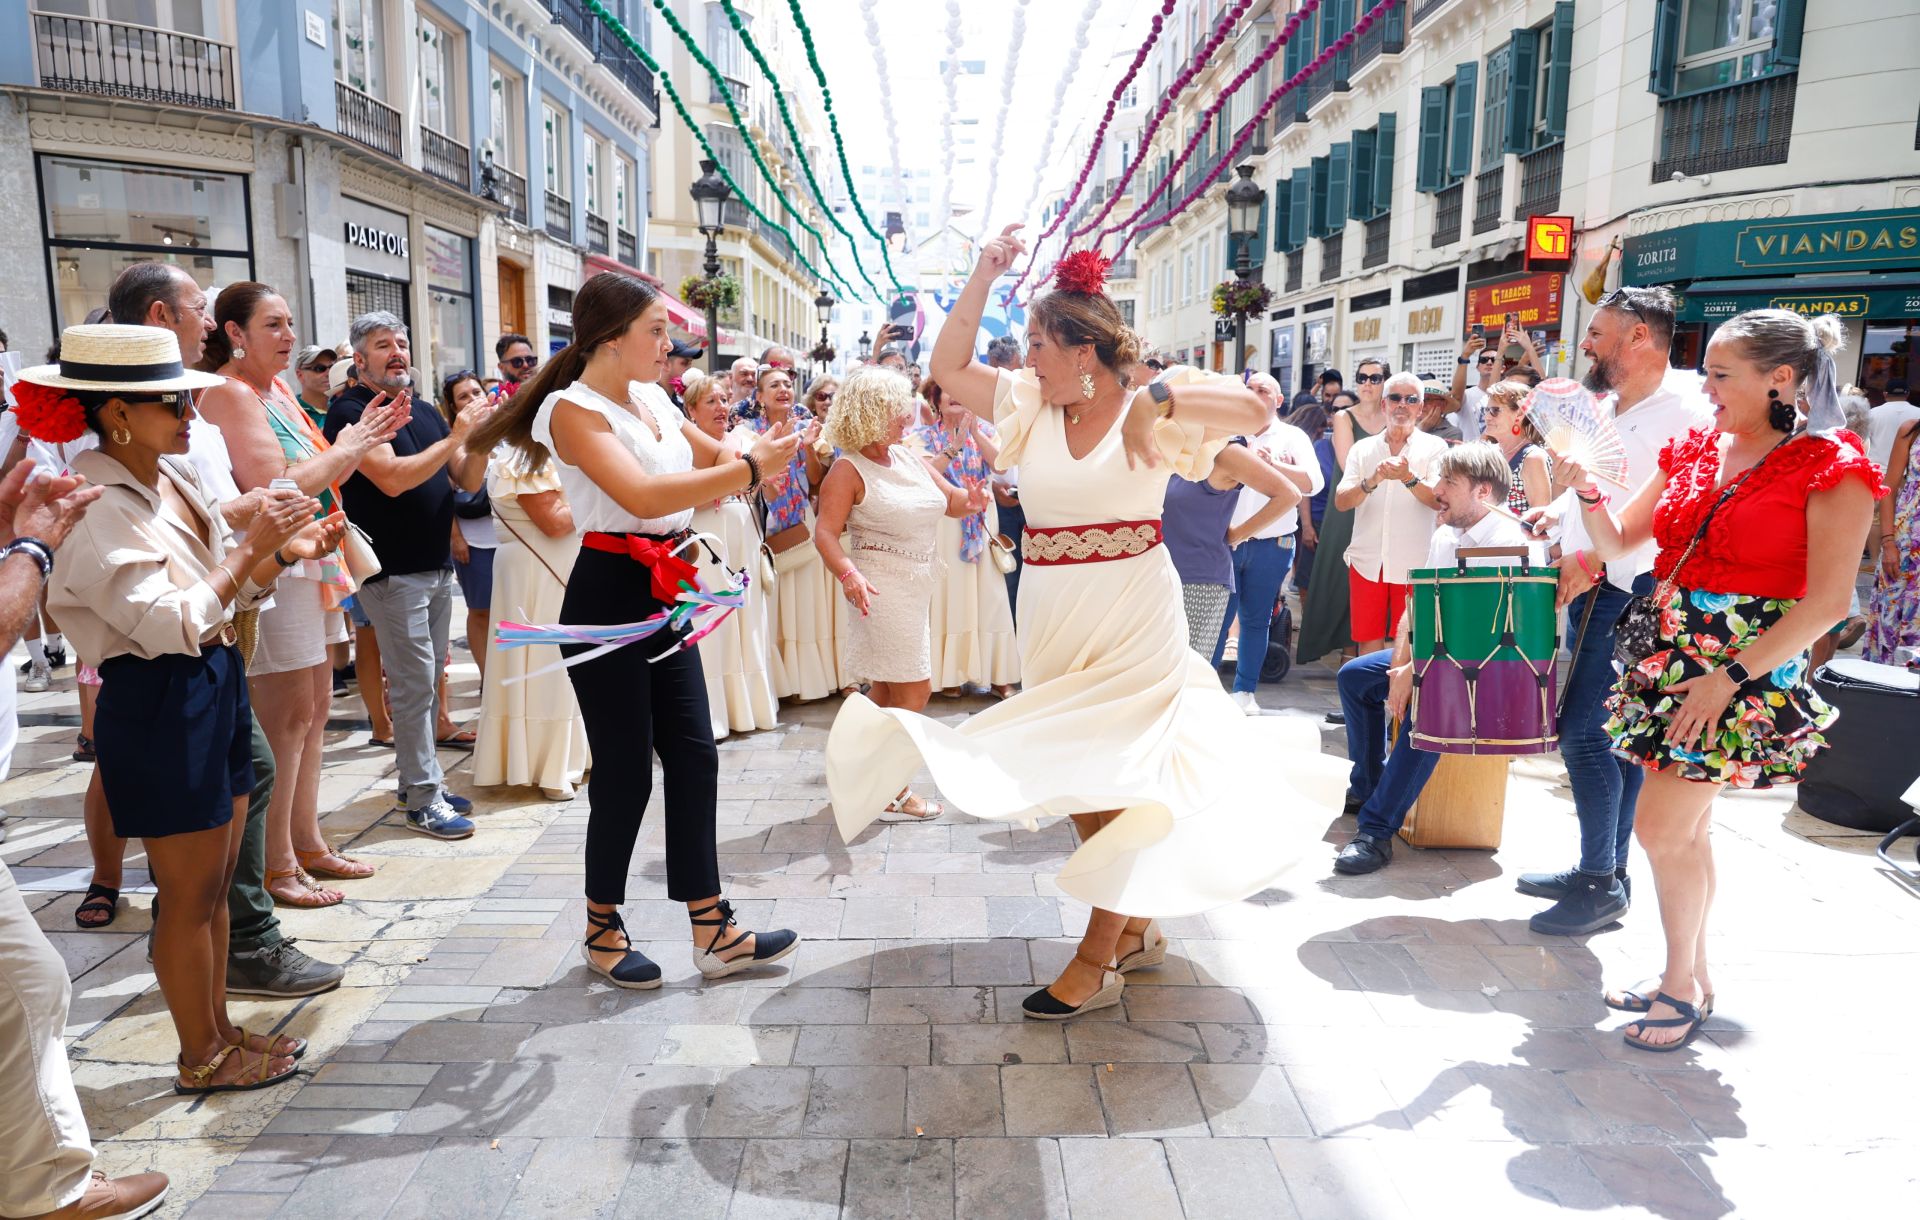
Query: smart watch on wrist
{"points": [[1738, 672]]}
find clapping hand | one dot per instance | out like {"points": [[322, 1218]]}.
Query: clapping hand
{"points": [[287, 514], [45, 508], [998, 255], [378, 423], [318, 537], [1393, 469]]}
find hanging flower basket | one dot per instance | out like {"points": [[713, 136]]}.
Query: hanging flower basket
{"points": [[1231, 297], [822, 353], [721, 293]]}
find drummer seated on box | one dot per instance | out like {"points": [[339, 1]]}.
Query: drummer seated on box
{"points": [[1470, 493]]}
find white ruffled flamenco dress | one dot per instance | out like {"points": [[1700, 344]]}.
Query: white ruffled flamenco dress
{"points": [[1117, 712]]}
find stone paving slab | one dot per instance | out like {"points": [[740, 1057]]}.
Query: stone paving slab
{"points": [[1395, 1045]]}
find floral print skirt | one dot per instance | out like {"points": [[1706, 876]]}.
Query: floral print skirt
{"points": [[1769, 731]]}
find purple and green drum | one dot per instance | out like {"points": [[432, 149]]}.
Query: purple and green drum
{"points": [[1485, 659]]}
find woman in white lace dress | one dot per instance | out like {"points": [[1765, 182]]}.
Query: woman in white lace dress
{"points": [[891, 500]]}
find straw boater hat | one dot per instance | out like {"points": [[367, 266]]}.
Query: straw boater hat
{"points": [[141, 359]]}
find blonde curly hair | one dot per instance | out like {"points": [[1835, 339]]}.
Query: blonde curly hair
{"points": [[863, 412]]}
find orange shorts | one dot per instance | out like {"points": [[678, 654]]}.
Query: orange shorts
{"points": [[1375, 607]]}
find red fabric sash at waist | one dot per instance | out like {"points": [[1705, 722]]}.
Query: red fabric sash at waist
{"points": [[1100, 543], [655, 552]]}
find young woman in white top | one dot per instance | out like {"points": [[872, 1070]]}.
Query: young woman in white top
{"points": [[634, 468]]}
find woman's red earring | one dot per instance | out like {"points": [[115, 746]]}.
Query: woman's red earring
{"points": [[1516, 429]]}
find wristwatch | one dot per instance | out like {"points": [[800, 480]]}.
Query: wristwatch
{"points": [[1410, 481], [1162, 395], [1462, 360], [1738, 673], [41, 552]]}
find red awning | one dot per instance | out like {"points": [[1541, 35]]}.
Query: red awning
{"points": [[692, 320]]}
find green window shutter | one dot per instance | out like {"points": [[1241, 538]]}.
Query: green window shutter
{"points": [[1299, 208], [1258, 255], [1383, 166], [1665, 65], [1523, 70], [1342, 22], [1431, 172], [1360, 193], [1317, 197], [1558, 70], [1788, 20], [1460, 141], [1282, 196], [1396, 32], [1339, 186]]}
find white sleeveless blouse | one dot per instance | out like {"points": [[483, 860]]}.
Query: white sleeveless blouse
{"points": [[593, 508]]}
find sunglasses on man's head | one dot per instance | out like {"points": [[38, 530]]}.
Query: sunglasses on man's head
{"points": [[1405, 397], [521, 362], [1369, 378]]}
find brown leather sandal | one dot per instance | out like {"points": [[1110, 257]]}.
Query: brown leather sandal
{"points": [[200, 1076], [279, 1046], [309, 898], [342, 868]]}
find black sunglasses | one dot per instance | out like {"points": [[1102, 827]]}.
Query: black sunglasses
{"points": [[1489, 358], [1405, 397], [1621, 298], [1369, 378], [177, 403], [521, 362]]}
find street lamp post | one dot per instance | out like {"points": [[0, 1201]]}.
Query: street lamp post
{"points": [[866, 346], [710, 192], [1245, 202], [823, 305]]}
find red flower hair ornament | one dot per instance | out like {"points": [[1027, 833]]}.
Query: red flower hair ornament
{"points": [[48, 413], [1082, 271]]}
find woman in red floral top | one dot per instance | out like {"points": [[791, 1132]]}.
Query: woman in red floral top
{"points": [[1723, 697]]}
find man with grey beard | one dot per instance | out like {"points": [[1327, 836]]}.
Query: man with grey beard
{"points": [[1650, 404], [402, 496]]}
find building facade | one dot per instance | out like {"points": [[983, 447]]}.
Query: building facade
{"points": [[1744, 152], [457, 164]]}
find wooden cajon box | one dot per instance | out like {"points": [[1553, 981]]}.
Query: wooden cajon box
{"points": [[1463, 804]]}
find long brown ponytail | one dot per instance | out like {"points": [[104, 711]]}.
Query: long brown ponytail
{"points": [[605, 307]]}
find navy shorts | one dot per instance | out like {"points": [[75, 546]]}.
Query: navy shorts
{"points": [[175, 738], [476, 578], [355, 614]]}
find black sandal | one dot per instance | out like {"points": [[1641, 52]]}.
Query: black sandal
{"points": [[634, 971], [1689, 1017], [1632, 1001], [83, 750], [99, 898], [767, 946]]}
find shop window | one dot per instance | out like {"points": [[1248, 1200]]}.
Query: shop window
{"points": [[360, 45], [367, 293], [100, 216], [1709, 44], [451, 345], [1887, 355]]}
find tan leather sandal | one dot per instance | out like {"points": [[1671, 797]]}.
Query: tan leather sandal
{"points": [[310, 896], [331, 864], [198, 1079], [280, 1046]]}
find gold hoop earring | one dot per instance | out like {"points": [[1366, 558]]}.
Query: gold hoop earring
{"points": [[120, 436], [1086, 385]]}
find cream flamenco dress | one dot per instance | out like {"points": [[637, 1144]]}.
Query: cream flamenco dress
{"points": [[530, 731], [737, 656], [972, 634], [1117, 712]]}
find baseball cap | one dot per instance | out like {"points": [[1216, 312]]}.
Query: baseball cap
{"points": [[1897, 386], [686, 351], [311, 352], [337, 376]]}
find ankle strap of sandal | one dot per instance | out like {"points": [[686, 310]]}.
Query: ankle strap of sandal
{"points": [[1081, 957], [603, 924], [722, 906]]}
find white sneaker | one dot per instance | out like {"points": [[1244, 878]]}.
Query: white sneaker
{"points": [[1246, 702], [39, 678]]}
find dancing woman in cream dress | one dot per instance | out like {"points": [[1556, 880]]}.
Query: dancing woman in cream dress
{"points": [[736, 656], [530, 730], [1183, 803]]}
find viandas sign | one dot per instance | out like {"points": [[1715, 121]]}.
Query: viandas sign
{"points": [[1840, 241]]}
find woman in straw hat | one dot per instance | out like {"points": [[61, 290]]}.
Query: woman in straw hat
{"points": [[149, 583]]}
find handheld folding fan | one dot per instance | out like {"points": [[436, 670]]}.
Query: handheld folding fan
{"points": [[1572, 424]]}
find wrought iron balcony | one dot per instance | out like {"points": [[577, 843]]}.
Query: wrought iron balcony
{"points": [[718, 96], [116, 59], [1447, 208], [1333, 251], [1488, 187], [577, 19], [628, 245], [1427, 8], [1296, 270], [1540, 181], [366, 119], [1206, 168], [1373, 41], [446, 158], [1123, 269], [1732, 128], [511, 189], [597, 234], [1379, 235], [1258, 144], [635, 75], [559, 217]]}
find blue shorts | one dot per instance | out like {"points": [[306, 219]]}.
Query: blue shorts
{"points": [[175, 738], [355, 613], [476, 578]]}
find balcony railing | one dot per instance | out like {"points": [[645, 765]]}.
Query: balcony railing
{"points": [[366, 119], [1205, 168], [116, 59], [718, 95], [1447, 207], [1732, 128], [1258, 144], [577, 19], [559, 217], [1123, 269], [1379, 231], [1540, 181], [597, 234], [511, 189], [1488, 186], [1427, 8], [1324, 84], [636, 76], [1374, 42], [1333, 251], [446, 158], [1296, 270], [629, 247]]}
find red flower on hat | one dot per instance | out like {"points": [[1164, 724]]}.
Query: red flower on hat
{"points": [[47, 413], [1083, 271]]}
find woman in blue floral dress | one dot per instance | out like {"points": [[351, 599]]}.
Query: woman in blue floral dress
{"points": [[973, 635], [1722, 697], [803, 592]]}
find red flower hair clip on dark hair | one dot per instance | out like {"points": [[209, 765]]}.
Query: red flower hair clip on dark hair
{"points": [[48, 413], [1082, 271]]}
